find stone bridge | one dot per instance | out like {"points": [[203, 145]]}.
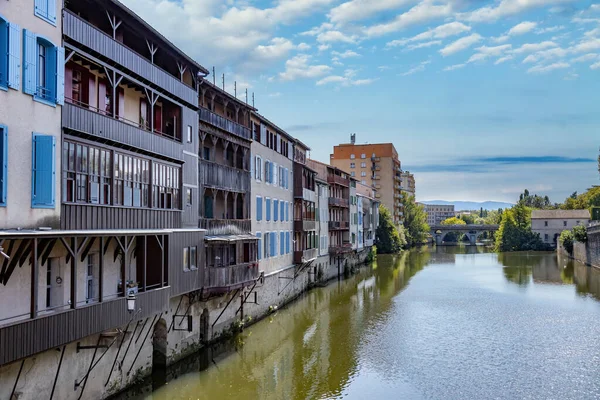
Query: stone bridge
{"points": [[438, 232]]}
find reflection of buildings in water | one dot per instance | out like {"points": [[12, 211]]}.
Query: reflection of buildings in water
{"points": [[587, 279], [445, 254], [546, 269]]}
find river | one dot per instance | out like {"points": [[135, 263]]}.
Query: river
{"points": [[447, 323]]}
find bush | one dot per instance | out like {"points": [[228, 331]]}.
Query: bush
{"points": [[566, 239], [580, 233]]}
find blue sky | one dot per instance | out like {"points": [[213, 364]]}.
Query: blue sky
{"points": [[482, 99]]}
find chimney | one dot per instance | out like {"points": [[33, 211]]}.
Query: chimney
{"points": [[353, 138]]}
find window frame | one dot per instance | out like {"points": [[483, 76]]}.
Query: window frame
{"points": [[49, 16], [3, 165], [46, 92], [4, 41]]}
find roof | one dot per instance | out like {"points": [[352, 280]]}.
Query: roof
{"points": [[167, 41], [560, 214], [262, 117], [207, 82], [90, 232], [305, 147], [229, 238]]}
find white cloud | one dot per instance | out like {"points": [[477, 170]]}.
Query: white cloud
{"points": [[595, 7], [362, 82], [355, 10], [550, 29], [484, 52], [418, 68], [556, 52], [571, 76], [503, 59], [424, 45], [335, 36], [317, 29], [539, 69], [345, 80], [522, 28], [346, 54], [425, 11], [595, 66], [331, 79], [505, 8], [587, 45], [500, 39], [298, 67], [384, 67], [454, 67], [586, 58], [579, 20], [461, 44], [303, 47], [276, 94], [593, 33], [440, 32], [323, 47], [533, 47]]}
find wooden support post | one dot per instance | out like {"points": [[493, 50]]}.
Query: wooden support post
{"points": [[162, 261], [152, 49], [101, 271], [123, 270], [145, 255], [73, 271], [34, 279]]}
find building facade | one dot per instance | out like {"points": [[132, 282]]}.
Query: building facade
{"points": [[407, 181], [272, 194], [306, 241], [550, 223], [437, 213], [376, 165], [368, 215], [31, 98]]}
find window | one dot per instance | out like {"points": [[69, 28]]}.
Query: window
{"points": [[258, 168], [259, 246], [3, 164], [43, 69], [89, 279], [189, 134], [352, 173], [132, 183], [43, 173], [545, 223], [259, 208], [352, 165], [267, 245], [363, 173], [193, 257], [206, 153], [363, 182], [363, 155], [287, 243], [268, 208], [46, 10], [49, 280], [186, 258], [564, 223], [282, 208], [268, 172], [10, 49], [273, 244], [188, 197], [363, 165], [546, 237], [165, 189], [352, 156], [275, 210], [282, 243]]}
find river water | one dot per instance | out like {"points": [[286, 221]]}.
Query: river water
{"points": [[447, 323]]}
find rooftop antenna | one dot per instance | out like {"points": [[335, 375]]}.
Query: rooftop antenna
{"points": [[353, 138], [223, 81], [253, 100], [214, 77], [235, 89], [246, 95]]}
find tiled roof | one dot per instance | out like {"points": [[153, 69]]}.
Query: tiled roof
{"points": [[560, 214]]}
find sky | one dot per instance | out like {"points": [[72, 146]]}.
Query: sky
{"points": [[481, 99]]}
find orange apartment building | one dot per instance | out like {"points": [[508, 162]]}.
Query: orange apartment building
{"points": [[376, 165]]}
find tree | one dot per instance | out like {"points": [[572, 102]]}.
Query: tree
{"points": [[453, 221], [566, 239], [468, 218], [387, 237], [580, 233], [515, 232], [415, 221]]}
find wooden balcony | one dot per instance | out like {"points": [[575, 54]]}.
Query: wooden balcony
{"points": [[223, 177], [223, 123], [340, 249], [26, 338], [225, 279], [80, 31], [338, 225], [336, 179], [337, 202], [90, 216], [226, 226], [119, 132], [304, 225], [305, 255]]}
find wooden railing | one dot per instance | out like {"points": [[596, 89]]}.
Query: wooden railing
{"points": [[337, 202], [305, 225], [304, 255], [223, 123], [226, 226], [337, 249], [224, 177], [83, 32], [336, 179], [336, 225], [223, 279]]}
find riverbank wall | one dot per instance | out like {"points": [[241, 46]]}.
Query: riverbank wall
{"points": [[587, 253], [100, 366]]}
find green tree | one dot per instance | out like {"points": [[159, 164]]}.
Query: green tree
{"points": [[453, 221], [415, 221], [515, 232], [580, 233], [566, 239], [387, 237]]}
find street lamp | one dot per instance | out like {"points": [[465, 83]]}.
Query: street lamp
{"points": [[130, 302]]}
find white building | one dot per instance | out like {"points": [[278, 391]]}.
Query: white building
{"points": [[31, 96], [368, 212], [323, 217], [550, 223], [272, 189], [437, 213], [354, 237]]}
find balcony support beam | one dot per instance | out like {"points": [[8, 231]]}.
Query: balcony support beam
{"points": [[152, 49], [34, 278]]}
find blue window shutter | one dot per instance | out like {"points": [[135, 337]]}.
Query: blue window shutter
{"points": [[258, 208], [282, 210], [281, 243], [275, 210], [42, 179], [268, 208], [14, 56], [52, 11], [258, 235], [29, 62], [60, 76], [287, 243], [273, 254], [271, 173], [3, 164]]}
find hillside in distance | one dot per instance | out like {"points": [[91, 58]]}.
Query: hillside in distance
{"points": [[471, 205]]}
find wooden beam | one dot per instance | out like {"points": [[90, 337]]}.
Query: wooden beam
{"points": [[106, 245], [73, 271], [34, 278], [6, 260], [101, 270], [88, 248], [25, 254], [14, 261]]}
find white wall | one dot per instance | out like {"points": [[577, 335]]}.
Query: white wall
{"points": [[23, 116], [555, 227], [323, 210]]}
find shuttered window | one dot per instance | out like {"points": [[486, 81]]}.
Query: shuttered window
{"points": [[287, 243], [10, 55], [259, 235], [268, 209], [43, 69], [275, 210], [3, 164], [259, 208], [46, 10], [282, 210], [273, 244], [43, 173]]}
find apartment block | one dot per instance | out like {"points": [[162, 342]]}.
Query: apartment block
{"points": [[306, 240], [375, 165], [437, 213], [407, 182]]}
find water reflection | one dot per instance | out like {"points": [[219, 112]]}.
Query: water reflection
{"points": [[385, 333]]}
